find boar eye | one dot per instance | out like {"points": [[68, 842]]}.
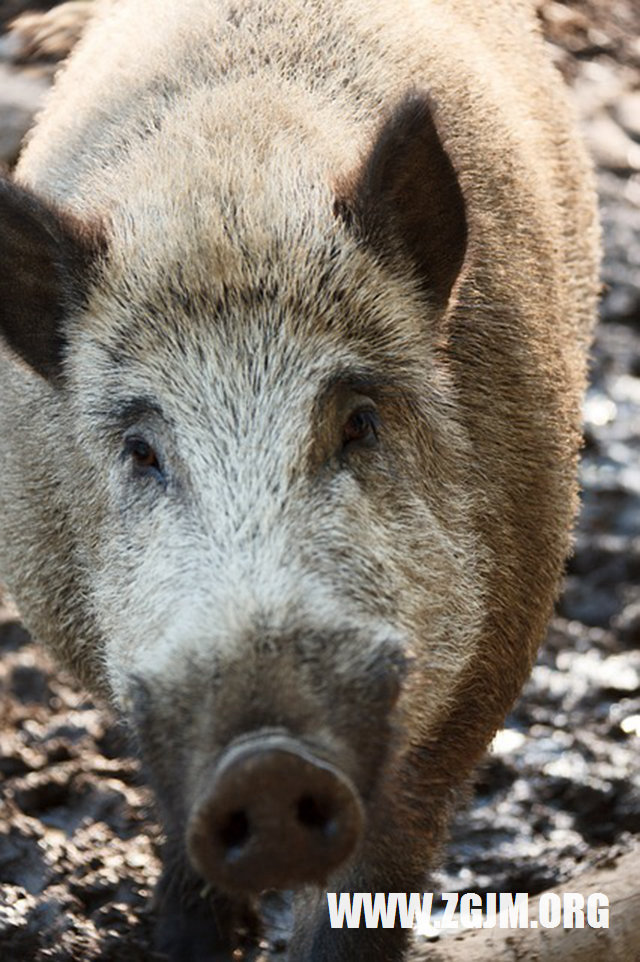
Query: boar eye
{"points": [[143, 457], [361, 430]]}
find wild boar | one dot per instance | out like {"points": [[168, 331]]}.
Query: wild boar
{"points": [[296, 302]]}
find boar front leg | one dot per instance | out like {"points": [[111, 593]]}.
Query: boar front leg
{"points": [[194, 925]]}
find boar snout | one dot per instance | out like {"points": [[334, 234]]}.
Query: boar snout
{"points": [[274, 815]]}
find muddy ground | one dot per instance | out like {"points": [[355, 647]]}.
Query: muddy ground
{"points": [[78, 841]]}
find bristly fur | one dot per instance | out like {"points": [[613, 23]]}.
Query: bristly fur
{"points": [[306, 208]]}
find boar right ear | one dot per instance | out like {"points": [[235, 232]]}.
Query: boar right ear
{"points": [[405, 200], [45, 256]]}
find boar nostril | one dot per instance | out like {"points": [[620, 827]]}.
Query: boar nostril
{"points": [[234, 833], [316, 814]]}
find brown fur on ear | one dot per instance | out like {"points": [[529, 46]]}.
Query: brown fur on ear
{"points": [[405, 199], [45, 258]]}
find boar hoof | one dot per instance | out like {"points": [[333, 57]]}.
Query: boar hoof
{"points": [[274, 816]]}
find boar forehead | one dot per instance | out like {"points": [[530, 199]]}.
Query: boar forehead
{"points": [[240, 297]]}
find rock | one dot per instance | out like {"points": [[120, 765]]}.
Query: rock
{"points": [[628, 623], [627, 113], [610, 146]]}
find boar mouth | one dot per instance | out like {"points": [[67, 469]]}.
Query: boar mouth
{"points": [[273, 815]]}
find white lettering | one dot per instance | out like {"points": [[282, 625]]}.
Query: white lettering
{"points": [[598, 910], [550, 910]]}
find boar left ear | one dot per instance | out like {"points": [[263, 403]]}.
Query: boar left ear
{"points": [[405, 200], [45, 257]]}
